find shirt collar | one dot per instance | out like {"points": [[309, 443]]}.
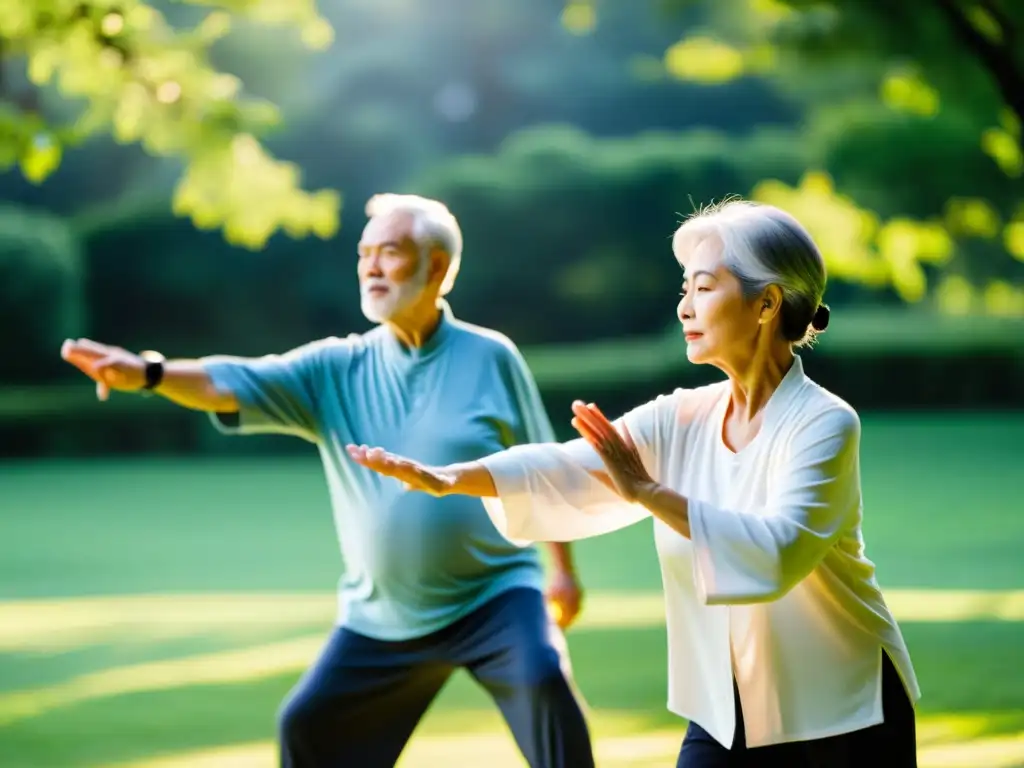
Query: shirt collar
{"points": [[787, 391], [436, 341]]}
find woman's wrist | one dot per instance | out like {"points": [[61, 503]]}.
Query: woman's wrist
{"points": [[647, 493], [471, 478], [665, 504]]}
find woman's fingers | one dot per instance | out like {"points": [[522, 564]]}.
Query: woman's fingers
{"points": [[587, 433], [627, 438], [389, 465], [376, 459], [592, 416]]}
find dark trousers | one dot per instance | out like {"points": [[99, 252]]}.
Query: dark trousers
{"points": [[893, 742], [360, 702]]}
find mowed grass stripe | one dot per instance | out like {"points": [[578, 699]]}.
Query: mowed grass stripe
{"points": [[53, 625], [651, 749], [118, 618], [965, 666]]}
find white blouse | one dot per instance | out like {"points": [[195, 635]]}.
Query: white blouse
{"points": [[772, 590]]}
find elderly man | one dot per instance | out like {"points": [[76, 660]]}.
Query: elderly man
{"points": [[430, 586]]}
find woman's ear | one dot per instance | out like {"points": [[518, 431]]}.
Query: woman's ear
{"points": [[771, 304]]}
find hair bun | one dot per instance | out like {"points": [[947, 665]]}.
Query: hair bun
{"points": [[820, 320]]}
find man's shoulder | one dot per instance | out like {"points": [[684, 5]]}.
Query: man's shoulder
{"points": [[486, 340], [351, 344]]}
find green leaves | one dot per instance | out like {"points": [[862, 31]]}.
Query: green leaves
{"points": [[145, 82], [41, 157]]}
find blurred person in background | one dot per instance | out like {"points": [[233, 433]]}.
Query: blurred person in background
{"points": [[430, 586], [782, 650]]}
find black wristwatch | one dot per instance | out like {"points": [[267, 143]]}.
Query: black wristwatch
{"points": [[154, 369]]}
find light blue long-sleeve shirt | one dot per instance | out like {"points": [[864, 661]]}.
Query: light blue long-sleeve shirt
{"points": [[413, 563]]}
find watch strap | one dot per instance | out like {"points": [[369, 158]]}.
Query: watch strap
{"points": [[154, 370]]}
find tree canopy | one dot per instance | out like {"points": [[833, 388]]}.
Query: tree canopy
{"points": [[77, 68], [915, 92]]}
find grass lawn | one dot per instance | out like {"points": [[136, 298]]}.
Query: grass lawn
{"points": [[154, 613]]}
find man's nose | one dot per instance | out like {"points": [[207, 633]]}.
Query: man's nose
{"points": [[370, 266]]}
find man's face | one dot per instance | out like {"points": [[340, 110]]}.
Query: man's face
{"points": [[392, 270]]}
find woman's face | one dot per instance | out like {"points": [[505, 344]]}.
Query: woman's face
{"points": [[720, 325]]}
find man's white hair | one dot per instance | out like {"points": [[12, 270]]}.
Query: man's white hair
{"points": [[763, 245], [434, 226]]}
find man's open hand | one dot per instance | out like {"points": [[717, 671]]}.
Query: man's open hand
{"points": [[110, 367]]}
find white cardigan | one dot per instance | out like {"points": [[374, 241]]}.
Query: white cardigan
{"points": [[773, 588]]}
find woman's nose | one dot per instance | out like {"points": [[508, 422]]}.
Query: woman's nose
{"points": [[683, 310]]}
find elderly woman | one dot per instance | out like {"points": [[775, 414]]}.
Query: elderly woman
{"points": [[782, 650]]}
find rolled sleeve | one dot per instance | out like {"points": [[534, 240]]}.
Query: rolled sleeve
{"points": [[547, 493], [276, 394], [512, 509]]}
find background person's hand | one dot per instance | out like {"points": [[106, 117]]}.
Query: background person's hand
{"points": [[625, 469], [412, 474], [565, 598], [110, 367]]}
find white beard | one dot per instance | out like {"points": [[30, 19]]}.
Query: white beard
{"points": [[380, 309]]}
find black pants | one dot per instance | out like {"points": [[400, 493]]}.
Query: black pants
{"points": [[359, 703], [893, 742]]}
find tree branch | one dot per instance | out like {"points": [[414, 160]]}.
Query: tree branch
{"points": [[997, 59], [996, 11]]}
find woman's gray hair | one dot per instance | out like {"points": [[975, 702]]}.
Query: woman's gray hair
{"points": [[763, 245], [434, 227]]}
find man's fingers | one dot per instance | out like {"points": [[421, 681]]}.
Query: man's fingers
{"points": [[103, 371], [84, 365], [89, 359], [102, 391], [79, 357], [88, 345], [83, 348]]}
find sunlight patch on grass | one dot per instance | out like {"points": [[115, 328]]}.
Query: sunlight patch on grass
{"points": [[42, 626], [20, 623], [619, 744], [221, 668], [256, 755], [950, 728], [54, 625], [991, 752], [955, 605], [449, 738]]}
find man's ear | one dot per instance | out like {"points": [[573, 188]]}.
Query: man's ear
{"points": [[439, 263]]}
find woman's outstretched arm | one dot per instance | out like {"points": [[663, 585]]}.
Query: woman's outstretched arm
{"points": [[470, 478]]}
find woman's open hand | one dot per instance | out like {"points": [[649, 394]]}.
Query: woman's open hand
{"points": [[626, 472], [412, 474]]}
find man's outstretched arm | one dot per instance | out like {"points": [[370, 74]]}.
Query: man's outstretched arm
{"points": [[184, 382]]}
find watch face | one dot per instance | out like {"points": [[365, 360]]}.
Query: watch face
{"points": [[151, 357]]}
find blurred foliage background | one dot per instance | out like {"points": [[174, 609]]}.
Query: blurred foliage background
{"points": [[177, 171]]}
